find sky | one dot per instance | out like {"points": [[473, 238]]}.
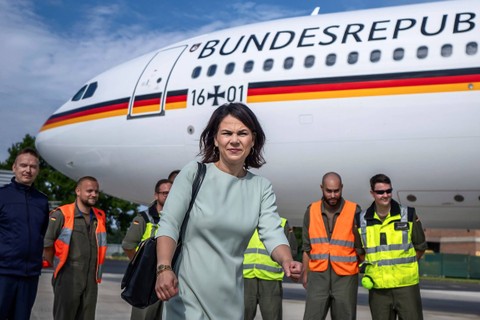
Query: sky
{"points": [[50, 48]]}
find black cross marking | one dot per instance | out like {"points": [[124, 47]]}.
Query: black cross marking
{"points": [[216, 95]]}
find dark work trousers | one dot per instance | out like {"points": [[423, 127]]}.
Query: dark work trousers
{"points": [[404, 302], [267, 294], [153, 312], [75, 295], [327, 290], [17, 295]]}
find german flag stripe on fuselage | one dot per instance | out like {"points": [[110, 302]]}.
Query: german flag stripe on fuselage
{"points": [[365, 86], [436, 81], [146, 103], [175, 100], [118, 107]]}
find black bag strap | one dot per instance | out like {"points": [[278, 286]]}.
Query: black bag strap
{"points": [[145, 217], [153, 220], [197, 182]]}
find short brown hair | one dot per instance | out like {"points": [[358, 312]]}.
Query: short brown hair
{"points": [[85, 178], [160, 182], [28, 150], [379, 178]]}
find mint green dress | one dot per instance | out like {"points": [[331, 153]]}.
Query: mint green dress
{"points": [[225, 214]]}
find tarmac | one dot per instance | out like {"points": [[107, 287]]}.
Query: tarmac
{"points": [[111, 306]]}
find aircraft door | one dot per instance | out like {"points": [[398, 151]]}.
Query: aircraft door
{"points": [[149, 95]]}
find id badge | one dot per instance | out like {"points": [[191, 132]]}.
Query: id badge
{"points": [[401, 226]]}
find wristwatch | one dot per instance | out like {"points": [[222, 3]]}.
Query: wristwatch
{"points": [[163, 267]]}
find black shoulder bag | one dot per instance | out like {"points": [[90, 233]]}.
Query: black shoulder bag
{"points": [[138, 283]]}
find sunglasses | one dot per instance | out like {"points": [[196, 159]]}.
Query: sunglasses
{"points": [[379, 192]]}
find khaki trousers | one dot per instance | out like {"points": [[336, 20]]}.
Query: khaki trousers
{"points": [[267, 294]]}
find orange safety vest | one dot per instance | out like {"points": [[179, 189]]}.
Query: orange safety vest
{"points": [[340, 249], [62, 243]]}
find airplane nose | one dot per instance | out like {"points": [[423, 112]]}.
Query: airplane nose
{"points": [[63, 150], [49, 148]]}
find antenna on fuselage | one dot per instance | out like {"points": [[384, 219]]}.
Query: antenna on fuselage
{"points": [[315, 11]]}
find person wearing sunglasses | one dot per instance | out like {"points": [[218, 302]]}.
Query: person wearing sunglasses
{"points": [[393, 241]]}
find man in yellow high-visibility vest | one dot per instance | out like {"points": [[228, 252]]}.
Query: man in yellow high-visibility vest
{"points": [[263, 278], [144, 226], [393, 241]]}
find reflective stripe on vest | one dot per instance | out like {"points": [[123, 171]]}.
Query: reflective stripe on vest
{"points": [[340, 249], [62, 243], [257, 262], [393, 264]]}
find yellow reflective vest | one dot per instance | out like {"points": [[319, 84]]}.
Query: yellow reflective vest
{"points": [[257, 262], [150, 225], [390, 257]]}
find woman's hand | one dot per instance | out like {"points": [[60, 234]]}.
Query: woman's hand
{"points": [[283, 256], [166, 285], [293, 269]]}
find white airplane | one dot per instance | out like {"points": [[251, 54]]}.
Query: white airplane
{"points": [[392, 90]]}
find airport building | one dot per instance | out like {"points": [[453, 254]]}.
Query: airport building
{"points": [[5, 177], [454, 241]]}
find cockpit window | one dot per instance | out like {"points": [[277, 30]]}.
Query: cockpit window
{"points": [[90, 90], [79, 94]]}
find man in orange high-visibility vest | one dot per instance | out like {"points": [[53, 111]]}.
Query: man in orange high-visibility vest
{"points": [[330, 260], [76, 245]]}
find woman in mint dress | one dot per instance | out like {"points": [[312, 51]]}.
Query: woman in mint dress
{"points": [[231, 203]]}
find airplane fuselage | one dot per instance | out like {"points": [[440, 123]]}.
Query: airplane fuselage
{"points": [[393, 90]]}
